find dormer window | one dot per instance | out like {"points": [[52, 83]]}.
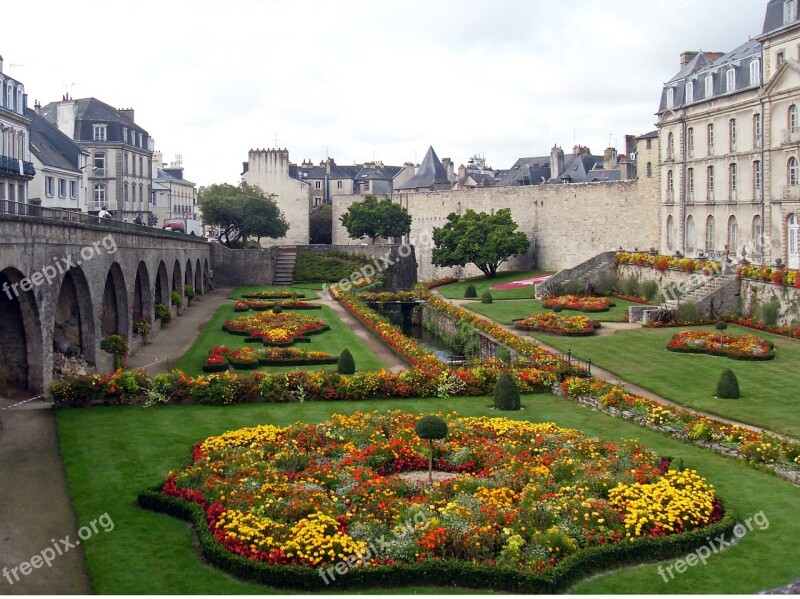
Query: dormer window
{"points": [[671, 97], [730, 80], [99, 132], [789, 11], [10, 96], [755, 72], [124, 134], [690, 92], [20, 107], [709, 85]]}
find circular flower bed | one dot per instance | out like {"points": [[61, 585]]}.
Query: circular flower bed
{"points": [[567, 326], [535, 505], [742, 347], [580, 303], [275, 329]]}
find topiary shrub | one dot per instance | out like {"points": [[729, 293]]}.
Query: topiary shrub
{"points": [[431, 428], [277, 309], [346, 363], [558, 309], [470, 292], [721, 325], [728, 386], [506, 394], [487, 298]]}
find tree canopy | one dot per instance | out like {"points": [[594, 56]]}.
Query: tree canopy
{"points": [[485, 240], [321, 226], [240, 212], [376, 218]]}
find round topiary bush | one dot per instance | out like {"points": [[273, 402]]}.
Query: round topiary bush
{"points": [[277, 310], [728, 386], [506, 394], [470, 291], [558, 309], [432, 428], [487, 298], [721, 325], [346, 364]]}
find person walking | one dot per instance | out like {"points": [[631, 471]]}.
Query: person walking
{"points": [[104, 213]]}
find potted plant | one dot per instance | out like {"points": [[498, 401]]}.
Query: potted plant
{"points": [[176, 300], [190, 293], [115, 345], [141, 327]]}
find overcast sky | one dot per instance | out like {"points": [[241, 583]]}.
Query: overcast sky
{"points": [[355, 79]]}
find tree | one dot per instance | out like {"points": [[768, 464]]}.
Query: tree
{"points": [[375, 218], [241, 211], [432, 428], [485, 240], [321, 226]]}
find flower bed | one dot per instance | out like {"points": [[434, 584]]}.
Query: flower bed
{"points": [[244, 358], [269, 328], [439, 282], [273, 295], [290, 356], [385, 297], [777, 276], [296, 499], [261, 305], [742, 347], [664, 263], [580, 303], [760, 325], [566, 326], [217, 360]]}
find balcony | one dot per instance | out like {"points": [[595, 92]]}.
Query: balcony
{"points": [[669, 196], [16, 167], [99, 172], [790, 192], [791, 136], [710, 197], [95, 205], [733, 195]]}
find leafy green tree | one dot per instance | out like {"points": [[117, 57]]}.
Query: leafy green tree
{"points": [[241, 211], [485, 240], [375, 218], [321, 226]]}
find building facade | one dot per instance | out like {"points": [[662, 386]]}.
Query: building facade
{"points": [[729, 137], [173, 196], [16, 167], [119, 173]]}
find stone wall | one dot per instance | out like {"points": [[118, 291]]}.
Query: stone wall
{"points": [[232, 268], [756, 293], [439, 321], [567, 224], [590, 273], [401, 273]]}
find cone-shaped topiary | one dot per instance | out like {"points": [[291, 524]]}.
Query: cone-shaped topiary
{"points": [[470, 291], [506, 394], [346, 364], [728, 386], [431, 428], [721, 325], [486, 298]]}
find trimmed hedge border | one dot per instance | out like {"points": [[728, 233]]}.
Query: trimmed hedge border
{"points": [[721, 354], [278, 295], [214, 368], [299, 362], [448, 573]]}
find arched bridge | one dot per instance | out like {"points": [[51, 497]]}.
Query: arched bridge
{"points": [[70, 280]]}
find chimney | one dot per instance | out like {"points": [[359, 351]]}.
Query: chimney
{"points": [[449, 168], [329, 164], [610, 159], [712, 56], [688, 57], [462, 172], [556, 162], [126, 112]]}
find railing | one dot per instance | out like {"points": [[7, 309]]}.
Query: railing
{"points": [[790, 192], [791, 136], [15, 166], [110, 205], [732, 195], [99, 172], [710, 197]]}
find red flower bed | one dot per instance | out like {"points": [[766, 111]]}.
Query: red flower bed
{"points": [[579, 303], [566, 326], [742, 347], [217, 360]]}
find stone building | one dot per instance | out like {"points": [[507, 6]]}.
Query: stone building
{"points": [[60, 163], [729, 137], [16, 167], [119, 175], [432, 175], [173, 196]]}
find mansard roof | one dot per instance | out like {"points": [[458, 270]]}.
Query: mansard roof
{"points": [[89, 111], [774, 20], [51, 146], [527, 171], [430, 173]]}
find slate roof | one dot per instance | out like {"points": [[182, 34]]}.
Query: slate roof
{"points": [[774, 17], [651, 135], [89, 111], [577, 169], [527, 171], [430, 173], [51, 146]]}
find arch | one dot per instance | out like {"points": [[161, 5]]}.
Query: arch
{"points": [[793, 241], [670, 232], [792, 117], [177, 277], [188, 274], [115, 314], [792, 172], [206, 275], [691, 234], [74, 320], [162, 285], [22, 366], [733, 234], [710, 233], [142, 303], [198, 277]]}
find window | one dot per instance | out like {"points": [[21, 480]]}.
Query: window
{"points": [[670, 147], [318, 185], [20, 106], [732, 133], [339, 184], [73, 190], [711, 140], [49, 184], [125, 192], [733, 234], [757, 131], [62, 188], [709, 86], [690, 234], [2, 86], [141, 166], [710, 234], [780, 58], [789, 11], [141, 195], [366, 185], [793, 123], [133, 165], [690, 142], [649, 170], [670, 187], [757, 177], [792, 171], [755, 72], [100, 192], [732, 180], [649, 144], [730, 80], [671, 97], [690, 182], [140, 141], [133, 138], [757, 233], [690, 92], [10, 96], [710, 183], [133, 193], [124, 135], [670, 232], [100, 164], [99, 133]]}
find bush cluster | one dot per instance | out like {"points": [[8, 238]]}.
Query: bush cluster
{"points": [[313, 267]]}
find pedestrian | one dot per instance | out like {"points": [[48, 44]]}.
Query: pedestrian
{"points": [[104, 213], [139, 219]]}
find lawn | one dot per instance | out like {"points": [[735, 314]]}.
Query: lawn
{"points": [[110, 454], [508, 312], [331, 342], [456, 290], [769, 398]]}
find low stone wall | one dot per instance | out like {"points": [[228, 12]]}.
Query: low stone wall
{"points": [[590, 272], [757, 293], [487, 346], [231, 268]]}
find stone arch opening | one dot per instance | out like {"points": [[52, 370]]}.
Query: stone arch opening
{"points": [[142, 303], [74, 325], [22, 366], [114, 318], [206, 276], [198, 277], [187, 273], [176, 278], [162, 284]]}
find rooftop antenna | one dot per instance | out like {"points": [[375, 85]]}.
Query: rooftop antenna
{"points": [[276, 139], [68, 92]]}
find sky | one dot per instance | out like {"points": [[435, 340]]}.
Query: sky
{"points": [[358, 80]]}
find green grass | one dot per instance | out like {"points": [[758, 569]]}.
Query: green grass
{"points": [[456, 290], [331, 342], [508, 312], [769, 397], [110, 454], [307, 289]]}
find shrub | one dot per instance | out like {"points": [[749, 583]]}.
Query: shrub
{"points": [[163, 314], [558, 309], [649, 290], [189, 292], [176, 299], [504, 354], [770, 312], [506, 394], [346, 364], [573, 287], [688, 312], [486, 298], [629, 286], [470, 292], [607, 284], [117, 346], [728, 385], [315, 267], [721, 325], [431, 428], [277, 310]]}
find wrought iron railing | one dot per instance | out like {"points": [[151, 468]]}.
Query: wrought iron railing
{"points": [[15, 166]]}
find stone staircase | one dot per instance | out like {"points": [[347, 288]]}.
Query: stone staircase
{"points": [[702, 292], [284, 266]]}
